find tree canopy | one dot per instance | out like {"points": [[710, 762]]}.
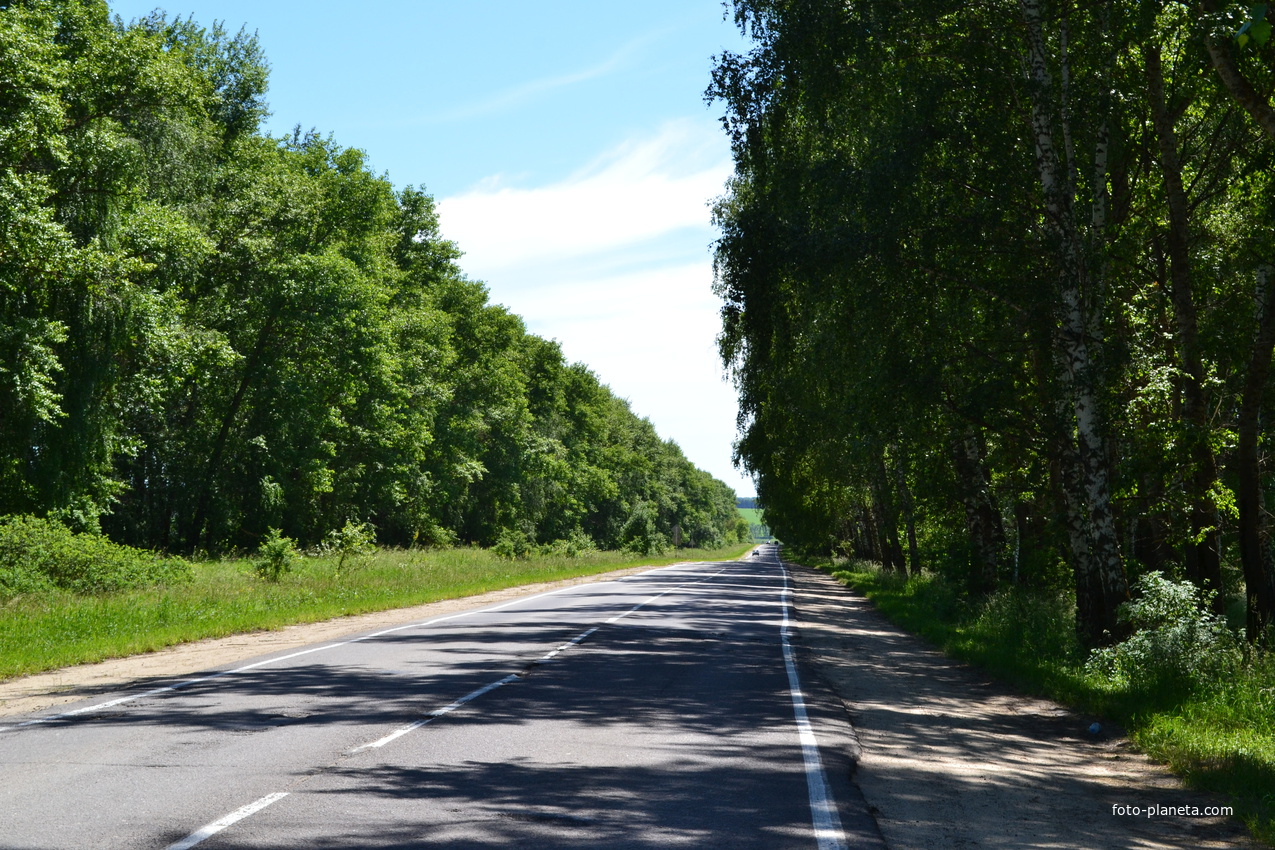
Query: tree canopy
{"points": [[996, 284], [207, 332]]}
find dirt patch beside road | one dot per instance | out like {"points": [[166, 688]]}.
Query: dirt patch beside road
{"points": [[950, 759], [945, 758], [70, 684]]}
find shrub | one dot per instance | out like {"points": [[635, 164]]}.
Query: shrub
{"points": [[512, 544], [39, 555], [1030, 622], [577, 544], [640, 534], [349, 543], [700, 532], [276, 556], [1177, 644]]}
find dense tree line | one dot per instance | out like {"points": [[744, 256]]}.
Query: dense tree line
{"points": [[998, 287], [207, 332]]}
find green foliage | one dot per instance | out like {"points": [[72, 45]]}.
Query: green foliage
{"points": [[207, 332], [1216, 728], [1256, 29], [574, 546], [512, 544], [276, 556], [1177, 644], [998, 329], [640, 533], [349, 543], [39, 555]]}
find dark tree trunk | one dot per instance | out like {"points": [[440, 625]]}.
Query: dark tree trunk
{"points": [[1259, 578], [982, 519], [1241, 90], [1203, 557], [199, 519], [909, 518], [888, 513]]}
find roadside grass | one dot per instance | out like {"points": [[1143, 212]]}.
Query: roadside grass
{"points": [[1219, 739], [48, 630]]}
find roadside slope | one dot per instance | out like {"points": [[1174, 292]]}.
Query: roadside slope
{"points": [[951, 759], [69, 684]]}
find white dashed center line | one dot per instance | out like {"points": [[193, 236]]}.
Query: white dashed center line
{"points": [[206, 832], [252, 808]]}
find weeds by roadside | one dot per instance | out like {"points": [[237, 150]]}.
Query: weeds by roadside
{"points": [[41, 556], [1183, 688], [55, 628]]}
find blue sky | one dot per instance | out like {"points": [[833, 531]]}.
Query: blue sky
{"points": [[570, 151]]}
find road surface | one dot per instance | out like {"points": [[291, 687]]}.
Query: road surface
{"points": [[664, 709]]}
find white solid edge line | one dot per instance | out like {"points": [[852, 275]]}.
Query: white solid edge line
{"points": [[206, 832], [829, 834], [102, 706]]}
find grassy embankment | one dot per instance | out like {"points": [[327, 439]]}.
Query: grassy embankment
{"points": [[1219, 738], [49, 630]]}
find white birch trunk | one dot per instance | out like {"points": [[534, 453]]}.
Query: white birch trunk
{"points": [[1079, 373]]}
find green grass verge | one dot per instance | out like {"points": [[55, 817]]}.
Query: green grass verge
{"points": [[1222, 740], [47, 631]]}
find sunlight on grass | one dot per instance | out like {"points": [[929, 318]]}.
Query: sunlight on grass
{"points": [[1219, 740], [225, 597]]}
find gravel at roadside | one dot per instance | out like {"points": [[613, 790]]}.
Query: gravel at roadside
{"points": [[949, 759], [70, 684]]}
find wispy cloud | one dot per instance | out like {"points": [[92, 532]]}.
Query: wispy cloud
{"points": [[639, 191], [524, 93]]}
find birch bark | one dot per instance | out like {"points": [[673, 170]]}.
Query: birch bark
{"points": [[1100, 570]]}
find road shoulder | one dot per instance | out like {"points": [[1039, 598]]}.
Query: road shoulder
{"points": [[948, 758], [26, 694]]}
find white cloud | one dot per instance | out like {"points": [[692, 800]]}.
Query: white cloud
{"points": [[651, 336], [640, 191], [614, 263]]}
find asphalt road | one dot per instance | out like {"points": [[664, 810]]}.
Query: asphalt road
{"points": [[664, 709]]}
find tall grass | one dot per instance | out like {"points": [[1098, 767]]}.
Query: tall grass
{"points": [[1218, 735], [54, 629]]}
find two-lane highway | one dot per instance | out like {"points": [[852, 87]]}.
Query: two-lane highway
{"points": [[661, 709]]}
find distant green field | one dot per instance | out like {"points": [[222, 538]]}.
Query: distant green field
{"points": [[756, 523]]}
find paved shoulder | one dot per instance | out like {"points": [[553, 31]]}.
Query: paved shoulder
{"points": [[949, 759]]}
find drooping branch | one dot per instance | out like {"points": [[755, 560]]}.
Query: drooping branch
{"points": [[1237, 85]]}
